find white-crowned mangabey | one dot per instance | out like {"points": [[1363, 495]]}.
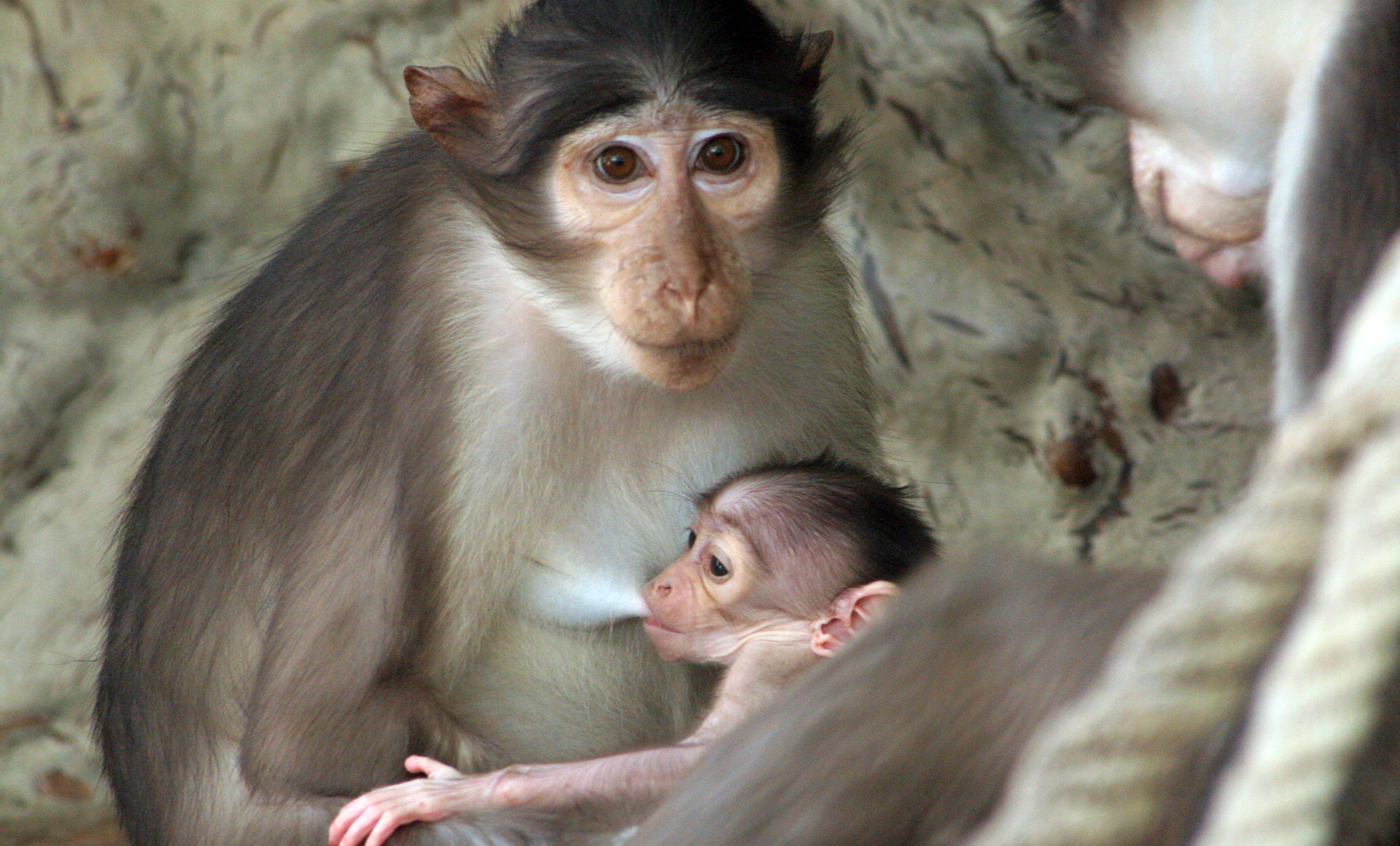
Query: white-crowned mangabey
{"points": [[907, 735], [785, 563], [424, 462], [1266, 135]]}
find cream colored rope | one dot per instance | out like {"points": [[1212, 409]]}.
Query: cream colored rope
{"points": [[1317, 702], [1313, 706]]}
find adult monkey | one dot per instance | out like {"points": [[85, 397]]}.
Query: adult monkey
{"points": [[1266, 135], [422, 465]]}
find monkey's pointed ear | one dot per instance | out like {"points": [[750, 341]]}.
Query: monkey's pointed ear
{"points": [[853, 609], [812, 48], [445, 103]]}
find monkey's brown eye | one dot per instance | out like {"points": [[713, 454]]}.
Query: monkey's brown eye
{"points": [[690, 539], [721, 154], [618, 164], [717, 568]]}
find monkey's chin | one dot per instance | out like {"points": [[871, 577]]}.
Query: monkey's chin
{"points": [[670, 644], [681, 367]]}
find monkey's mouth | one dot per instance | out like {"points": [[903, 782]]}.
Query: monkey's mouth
{"points": [[689, 349], [652, 622], [682, 366]]}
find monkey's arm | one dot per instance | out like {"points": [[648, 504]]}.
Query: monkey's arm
{"points": [[631, 780], [336, 705], [612, 787]]}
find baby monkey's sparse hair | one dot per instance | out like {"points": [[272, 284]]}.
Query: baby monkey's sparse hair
{"points": [[833, 500]]}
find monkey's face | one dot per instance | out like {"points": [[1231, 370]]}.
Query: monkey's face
{"points": [[672, 203], [1210, 204], [700, 608], [1205, 92]]}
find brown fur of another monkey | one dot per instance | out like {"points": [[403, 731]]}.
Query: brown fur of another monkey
{"points": [[407, 489], [907, 735]]}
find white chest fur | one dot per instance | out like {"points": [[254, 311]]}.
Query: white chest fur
{"points": [[584, 476], [623, 525]]}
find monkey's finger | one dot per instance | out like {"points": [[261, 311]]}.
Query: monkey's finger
{"points": [[386, 826], [352, 822], [428, 767], [362, 826], [341, 824]]}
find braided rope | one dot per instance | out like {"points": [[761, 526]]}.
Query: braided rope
{"points": [[1318, 700], [1311, 711], [1104, 771]]}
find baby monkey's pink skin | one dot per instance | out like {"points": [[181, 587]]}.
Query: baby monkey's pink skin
{"points": [[719, 603]]}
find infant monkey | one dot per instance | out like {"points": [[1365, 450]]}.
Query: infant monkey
{"points": [[784, 564]]}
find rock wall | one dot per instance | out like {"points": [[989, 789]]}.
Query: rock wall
{"points": [[1052, 376]]}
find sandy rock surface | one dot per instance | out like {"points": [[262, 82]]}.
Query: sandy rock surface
{"points": [[1053, 377]]}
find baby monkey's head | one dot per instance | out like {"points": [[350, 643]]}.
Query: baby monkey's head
{"points": [[818, 543]]}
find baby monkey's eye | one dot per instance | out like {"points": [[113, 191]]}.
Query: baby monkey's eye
{"points": [[689, 538], [717, 568]]}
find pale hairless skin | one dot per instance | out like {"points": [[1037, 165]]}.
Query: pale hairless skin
{"points": [[1214, 226], [723, 602]]}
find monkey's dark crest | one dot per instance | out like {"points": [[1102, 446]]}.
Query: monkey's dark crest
{"points": [[392, 506], [567, 63]]}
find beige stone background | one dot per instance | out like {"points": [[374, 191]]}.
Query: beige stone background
{"points": [[1053, 377]]}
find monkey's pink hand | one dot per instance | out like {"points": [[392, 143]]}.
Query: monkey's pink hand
{"points": [[377, 814]]}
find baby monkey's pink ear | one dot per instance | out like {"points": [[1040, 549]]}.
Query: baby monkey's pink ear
{"points": [[851, 611]]}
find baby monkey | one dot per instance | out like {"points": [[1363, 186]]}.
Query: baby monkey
{"points": [[784, 564]]}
